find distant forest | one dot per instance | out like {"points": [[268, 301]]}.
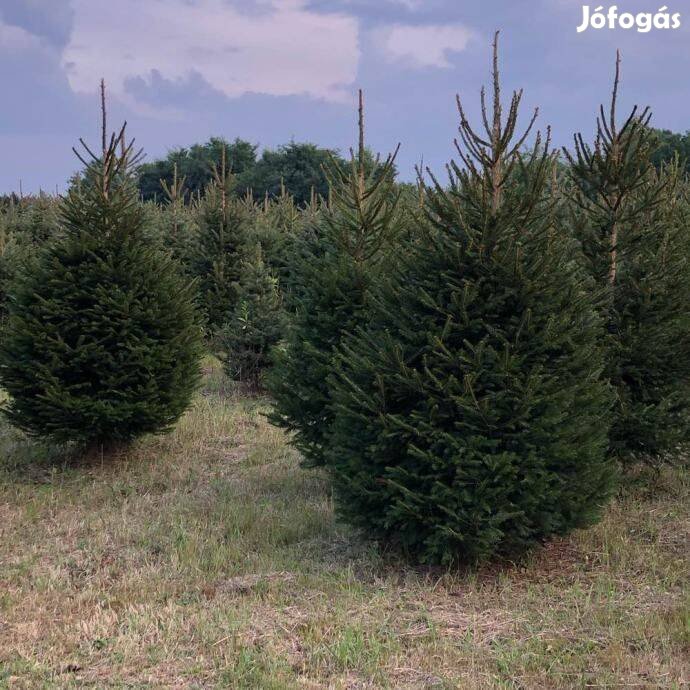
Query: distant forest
{"points": [[294, 167]]}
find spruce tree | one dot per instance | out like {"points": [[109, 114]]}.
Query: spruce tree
{"points": [[256, 324], [101, 344], [278, 224], [331, 273], [224, 225], [36, 220], [470, 417], [26, 225], [632, 223], [178, 230]]}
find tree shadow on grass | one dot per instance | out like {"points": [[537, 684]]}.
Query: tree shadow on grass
{"points": [[24, 459]]}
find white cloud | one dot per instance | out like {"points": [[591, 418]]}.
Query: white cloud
{"points": [[15, 40], [411, 5], [279, 47], [423, 46]]}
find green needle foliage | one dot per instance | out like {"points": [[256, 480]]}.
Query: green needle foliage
{"points": [[333, 273], [25, 226], [257, 322], [224, 223], [279, 223], [101, 344], [176, 224], [632, 223], [470, 415]]}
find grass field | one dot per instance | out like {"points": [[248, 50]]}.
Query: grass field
{"points": [[208, 558]]}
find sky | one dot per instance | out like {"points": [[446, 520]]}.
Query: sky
{"points": [[272, 71]]}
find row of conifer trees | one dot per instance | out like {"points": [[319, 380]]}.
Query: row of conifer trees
{"points": [[236, 251], [470, 363]]}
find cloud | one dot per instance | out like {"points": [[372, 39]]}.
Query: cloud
{"points": [[16, 41], [411, 5], [423, 46], [276, 47], [41, 99], [51, 21]]}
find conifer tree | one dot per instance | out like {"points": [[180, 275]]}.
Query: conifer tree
{"points": [[224, 224], [290, 254], [177, 226], [632, 224], [101, 344], [7, 263], [37, 220], [25, 226], [256, 324], [331, 275], [470, 416], [278, 224]]}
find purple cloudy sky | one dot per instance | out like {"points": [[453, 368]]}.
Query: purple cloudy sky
{"points": [[270, 70]]}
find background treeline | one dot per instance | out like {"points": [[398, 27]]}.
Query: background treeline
{"points": [[295, 168], [471, 359], [298, 168]]}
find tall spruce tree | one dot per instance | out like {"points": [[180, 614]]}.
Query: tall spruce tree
{"points": [[470, 415], [632, 224], [101, 344], [330, 279]]}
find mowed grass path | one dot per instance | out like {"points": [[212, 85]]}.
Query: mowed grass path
{"points": [[208, 558]]}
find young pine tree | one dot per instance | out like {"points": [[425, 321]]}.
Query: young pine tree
{"points": [[632, 224], [279, 223], [101, 344], [26, 225], [177, 229], [331, 277], [256, 324], [470, 416], [224, 223]]}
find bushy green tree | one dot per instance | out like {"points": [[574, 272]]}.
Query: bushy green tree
{"points": [[178, 230], [332, 271], [35, 220], [101, 344], [632, 223], [7, 264], [196, 164], [26, 225], [224, 223], [669, 146], [295, 167], [256, 324], [292, 243], [470, 414], [278, 224]]}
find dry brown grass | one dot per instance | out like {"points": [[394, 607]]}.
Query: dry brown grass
{"points": [[208, 558]]}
